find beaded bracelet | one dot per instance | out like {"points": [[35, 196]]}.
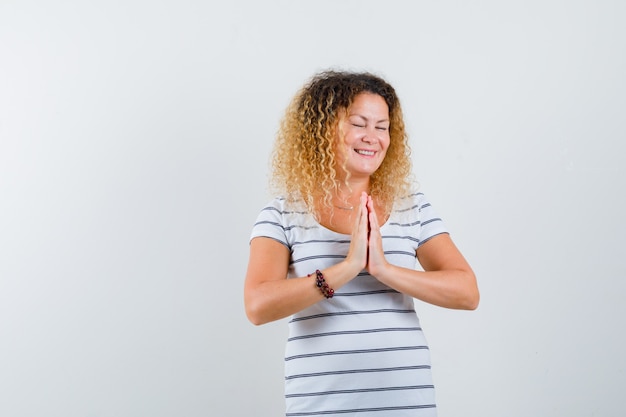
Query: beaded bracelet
{"points": [[320, 282]]}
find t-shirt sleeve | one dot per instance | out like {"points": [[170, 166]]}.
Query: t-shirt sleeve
{"points": [[431, 224], [269, 223]]}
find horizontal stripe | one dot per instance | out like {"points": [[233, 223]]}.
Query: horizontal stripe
{"points": [[321, 241], [345, 332], [354, 352], [298, 226], [359, 371], [426, 240], [309, 258], [282, 242], [430, 221], [400, 252], [285, 228], [355, 294], [415, 223], [407, 209], [350, 313], [270, 208], [414, 239], [276, 209], [361, 410], [269, 222], [360, 391]]}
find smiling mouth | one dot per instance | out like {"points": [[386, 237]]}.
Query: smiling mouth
{"points": [[364, 152]]}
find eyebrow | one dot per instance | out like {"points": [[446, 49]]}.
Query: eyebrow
{"points": [[366, 119]]}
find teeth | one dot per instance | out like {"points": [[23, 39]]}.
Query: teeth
{"points": [[363, 152]]}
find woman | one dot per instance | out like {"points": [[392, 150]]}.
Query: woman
{"points": [[338, 253]]}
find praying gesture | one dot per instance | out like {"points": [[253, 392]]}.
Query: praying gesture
{"points": [[339, 253]]}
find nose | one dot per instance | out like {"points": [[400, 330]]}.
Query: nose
{"points": [[370, 135]]}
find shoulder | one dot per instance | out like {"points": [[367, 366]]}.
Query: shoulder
{"points": [[409, 202], [278, 217], [283, 208], [414, 211], [411, 205]]}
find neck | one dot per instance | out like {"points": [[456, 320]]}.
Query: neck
{"points": [[354, 187], [347, 197]]}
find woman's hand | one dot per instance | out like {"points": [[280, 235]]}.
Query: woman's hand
{"points": [[357, 253], [376, 262], [269, 295], [447, 279]]}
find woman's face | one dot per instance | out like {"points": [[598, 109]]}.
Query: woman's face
{"points": [[363, 135]]}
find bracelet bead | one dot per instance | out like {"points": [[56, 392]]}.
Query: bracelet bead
{"points": [[320, 282]]}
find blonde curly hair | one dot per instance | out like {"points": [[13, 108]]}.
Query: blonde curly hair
{"points": [[303, 159]]}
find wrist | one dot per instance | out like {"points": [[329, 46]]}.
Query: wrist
{"points": [[351, 268], [342, 273], [381, 271]]}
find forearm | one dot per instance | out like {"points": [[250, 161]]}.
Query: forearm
{"points": [[275, 299], [451, 288]]}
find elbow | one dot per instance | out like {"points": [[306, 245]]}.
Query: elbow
{"points": [[472, 298], [254, 313], [256, 320], [252, 308], [471, 295], [253, 316], [471, 303], [467, 302]]}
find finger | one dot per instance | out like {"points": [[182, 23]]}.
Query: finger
{"points": [[373, 218], [360, 228], [363, 212]]}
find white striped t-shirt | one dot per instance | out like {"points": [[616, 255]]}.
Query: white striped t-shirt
{"points": [[363, 352]]}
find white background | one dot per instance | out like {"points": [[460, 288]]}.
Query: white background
{"points": [[134, 145]]}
